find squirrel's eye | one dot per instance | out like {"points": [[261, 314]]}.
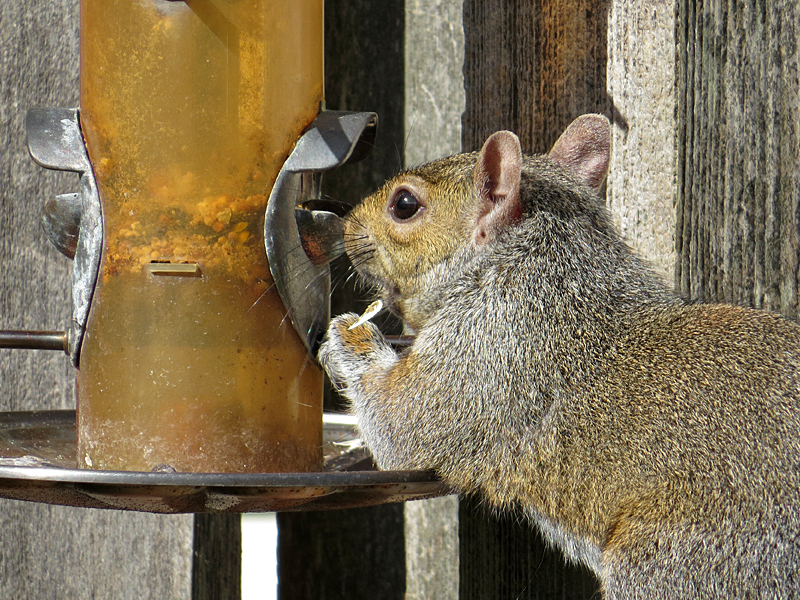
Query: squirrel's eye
{"points": [[404, 205]]}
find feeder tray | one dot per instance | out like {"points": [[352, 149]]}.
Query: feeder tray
{"points": [[38, 459]]}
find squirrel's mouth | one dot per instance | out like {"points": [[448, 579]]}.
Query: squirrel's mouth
{"points": [[382, 289], [390, 302]]}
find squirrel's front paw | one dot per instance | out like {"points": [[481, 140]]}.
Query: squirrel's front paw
{"points": [[348, 353]]}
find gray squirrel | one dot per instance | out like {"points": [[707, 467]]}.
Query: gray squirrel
{"points": [[655, 440]]}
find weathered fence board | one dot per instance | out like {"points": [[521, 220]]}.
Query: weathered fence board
{"points": [[738, 235]]}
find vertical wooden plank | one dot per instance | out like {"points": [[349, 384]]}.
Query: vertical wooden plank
{"points": [[216, 560], [533, 67], [571, 56], [614, 57], [38, 67], [432, 549], [501, 71], [434, 104], [355, 553], [503, 557], [364, 71], [434, 79], [62, 554], [738, 113], [641, 185]]}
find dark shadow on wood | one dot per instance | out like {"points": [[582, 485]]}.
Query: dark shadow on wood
{"points": [[217, 557], [364, 71], [502, 557], [355, 554]]}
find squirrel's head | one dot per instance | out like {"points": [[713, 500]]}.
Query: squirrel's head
{"points": [[402, 236]]}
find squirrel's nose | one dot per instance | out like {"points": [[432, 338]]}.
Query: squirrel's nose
{"points": [[321, 233]]}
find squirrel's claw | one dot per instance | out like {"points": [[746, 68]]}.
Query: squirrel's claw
{"points": [[349, 351]]}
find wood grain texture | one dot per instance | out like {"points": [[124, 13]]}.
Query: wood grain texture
{"points": [[364, 71], [38, 67], [434, 79], [641, 184], [532, 67], [333, 555], [501, 71], [503, 557], [49, 552], [217, 539], [738, 206], [434, 105], [432, 549]]}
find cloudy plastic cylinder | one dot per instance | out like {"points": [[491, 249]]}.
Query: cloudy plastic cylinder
{"points": [[189, 361]]}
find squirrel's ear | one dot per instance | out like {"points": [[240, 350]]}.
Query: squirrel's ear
{"points": [[584, 149], [497, 177]]}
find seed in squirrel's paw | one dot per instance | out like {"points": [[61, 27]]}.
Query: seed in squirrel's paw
{"points": [[372, 310]]}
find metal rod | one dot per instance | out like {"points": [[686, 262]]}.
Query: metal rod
{"points": [[57, 340], [34, 340]]}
